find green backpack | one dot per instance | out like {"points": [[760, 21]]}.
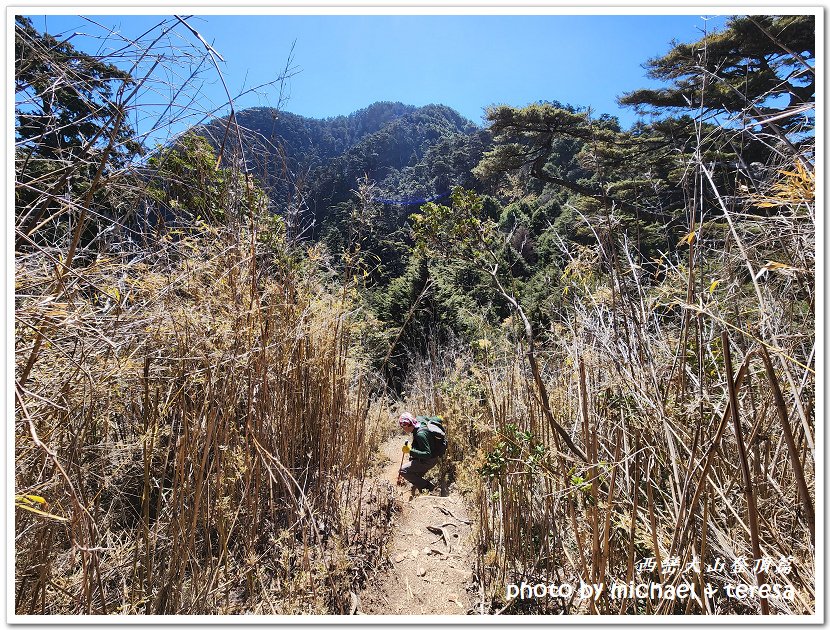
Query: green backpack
{"points": [[437, 434]]}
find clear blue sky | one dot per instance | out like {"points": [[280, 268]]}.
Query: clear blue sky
{"points": [[468, 62]]}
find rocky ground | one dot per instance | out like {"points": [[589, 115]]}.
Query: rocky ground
{"points": [[430, 555]]}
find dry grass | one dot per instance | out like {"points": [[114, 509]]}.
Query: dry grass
{"points": [[192, 427], [640, 376], [195, 416]]}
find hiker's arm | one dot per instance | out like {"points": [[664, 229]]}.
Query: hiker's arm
{"points": [[420, 446]]}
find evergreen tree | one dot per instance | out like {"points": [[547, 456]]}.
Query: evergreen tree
{"points": [[755, 68], [71, 130], [66, 105]]}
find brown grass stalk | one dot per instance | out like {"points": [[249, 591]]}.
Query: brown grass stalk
{"points": [[752, 508]]}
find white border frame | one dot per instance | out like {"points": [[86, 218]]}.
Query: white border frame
{"points": [[374, 7]]}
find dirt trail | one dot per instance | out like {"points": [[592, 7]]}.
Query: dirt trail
{"points": [[430, 553]]}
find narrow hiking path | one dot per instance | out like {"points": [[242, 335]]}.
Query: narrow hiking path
{"points": [[430, 566]]}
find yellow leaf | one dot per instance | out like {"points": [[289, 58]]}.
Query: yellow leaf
{"points": [[40, 512], [777, 266], [28, 499], [565, 290], [713, 286], [688, 239]]}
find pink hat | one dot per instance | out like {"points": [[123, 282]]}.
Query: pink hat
{"points": [[406, 419]]}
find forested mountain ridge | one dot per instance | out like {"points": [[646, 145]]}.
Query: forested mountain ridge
{"points": [[323, 158], [310, 141], [398, 158], [312, 169]]}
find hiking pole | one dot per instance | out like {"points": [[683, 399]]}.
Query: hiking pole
{"points": [[403, 452]]}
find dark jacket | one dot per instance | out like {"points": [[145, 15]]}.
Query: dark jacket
{"points": [[421, 443]]}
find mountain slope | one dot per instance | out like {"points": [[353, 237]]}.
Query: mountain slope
{"points": [[394, 157], [311, 165]]}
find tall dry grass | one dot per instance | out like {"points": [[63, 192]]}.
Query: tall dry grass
{"points": [[192, 427], [197, 428], [690, 389]]}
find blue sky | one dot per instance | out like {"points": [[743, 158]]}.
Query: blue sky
{"points": [[346, 62]]}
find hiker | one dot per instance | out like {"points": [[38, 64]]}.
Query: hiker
{"points": [[429, 442]]}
